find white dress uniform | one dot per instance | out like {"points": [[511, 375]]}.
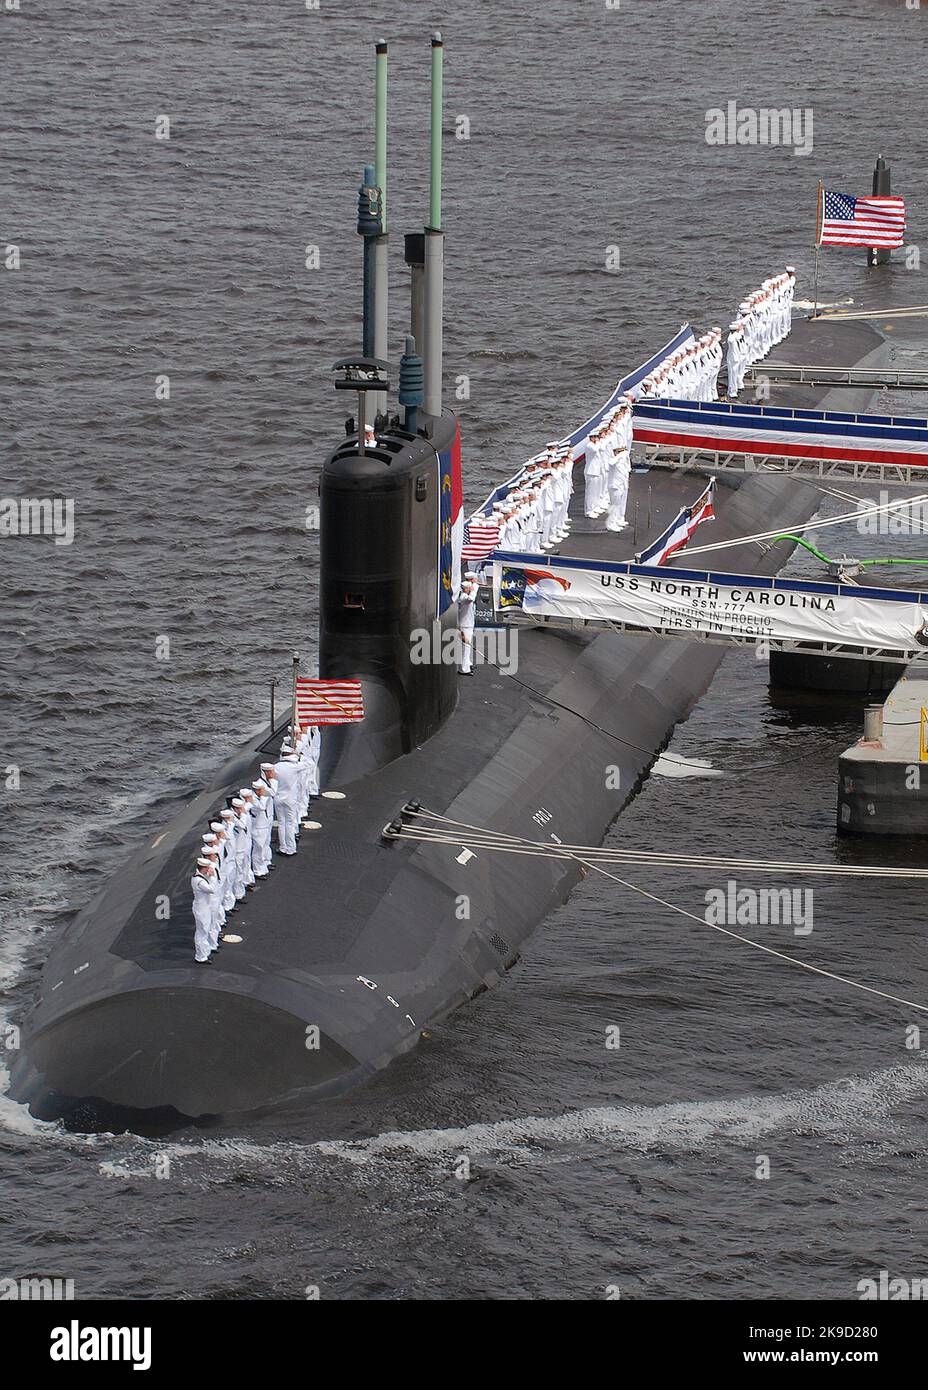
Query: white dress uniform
{"points": [[734, 357], [242, 843], [227, 872], [618, 492], [548, 505], [286, 801], [202, 911], [533, 502], [466, 619], [249, 798], [566, 471], [591, 475], [217, 912], [301, 748], [212, 845], [261, 829], [315, 751], [271, 785]]}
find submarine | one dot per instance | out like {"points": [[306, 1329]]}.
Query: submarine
{"points": [[361, 941]]}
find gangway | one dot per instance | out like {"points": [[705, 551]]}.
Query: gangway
{"points": [[731, 437], [806, 648], [805, 374]]}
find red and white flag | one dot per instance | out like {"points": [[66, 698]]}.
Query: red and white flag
{"points": [[327, 701]]}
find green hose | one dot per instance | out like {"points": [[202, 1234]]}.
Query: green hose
{"points": [[828, 560]]}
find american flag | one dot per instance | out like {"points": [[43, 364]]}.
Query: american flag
{"points": [[327, 701], [481, 537], [848, 221]]}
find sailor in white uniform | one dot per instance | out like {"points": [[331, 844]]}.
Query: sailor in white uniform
{"points": [[563, 485], [533, 505], [790, 291], [466, 618], [300, 744], [202, 886], [735, 360], [242, 843], [286, 799], [217, 915], [592, 464], [315, 753], [249, 798], [548, 502], [215, 841], [269, 781], [618, 492], [261, 829], [228, 818]]}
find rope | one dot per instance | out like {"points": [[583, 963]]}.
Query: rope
{"points": [[813, 524], [724, 931], [491, 839]]}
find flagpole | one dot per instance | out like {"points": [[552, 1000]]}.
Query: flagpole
{"points": [[818, 242], [296, 671]]}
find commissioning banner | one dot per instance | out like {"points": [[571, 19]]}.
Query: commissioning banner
{"points": [[710, 603]]}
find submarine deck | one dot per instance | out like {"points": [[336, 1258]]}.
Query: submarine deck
{"points": [[358, 869]]}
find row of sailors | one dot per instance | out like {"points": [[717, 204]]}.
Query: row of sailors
{"points": [[534, 514], [236, 850], [607, 467], [764, 319], [691, 373]]}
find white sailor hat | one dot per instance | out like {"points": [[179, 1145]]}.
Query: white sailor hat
{"points": [[227, 813], [260, 786], [791, 270], [245, 791], [470, 574], [265, 767], [204, 863], [237, 801]]}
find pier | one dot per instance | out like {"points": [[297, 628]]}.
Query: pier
{"points": [[882, 779]]}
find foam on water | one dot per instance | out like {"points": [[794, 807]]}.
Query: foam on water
{"points": [[850, 1106], [668, 765]]}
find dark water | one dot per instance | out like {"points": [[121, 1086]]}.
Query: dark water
{"points": [[142, 258]]}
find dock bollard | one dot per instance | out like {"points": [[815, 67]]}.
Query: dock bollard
{"points": [[873, 723]]}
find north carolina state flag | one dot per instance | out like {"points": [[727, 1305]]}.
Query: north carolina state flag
{"points": [[450, 522]]}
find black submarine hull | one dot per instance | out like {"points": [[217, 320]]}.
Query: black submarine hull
{"points": [[355, 945]]}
